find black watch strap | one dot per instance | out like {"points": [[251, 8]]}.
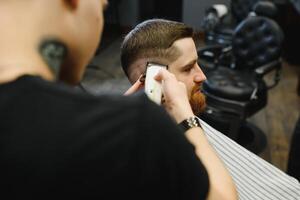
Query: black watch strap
{"points": [[189, 123]]}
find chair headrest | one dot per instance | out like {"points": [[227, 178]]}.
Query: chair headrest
{"points": [[241, 8], [266, 9], [256, 41]]}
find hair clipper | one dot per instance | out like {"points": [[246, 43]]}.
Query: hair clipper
{"points": [[153, 88]]}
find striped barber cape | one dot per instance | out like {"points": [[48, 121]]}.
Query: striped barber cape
{"points": [[254, 177]]}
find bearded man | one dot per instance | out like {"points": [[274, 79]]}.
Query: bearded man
{"points": [[172, 44]]}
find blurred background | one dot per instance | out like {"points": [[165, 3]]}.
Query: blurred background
{"points": [[263, 126]]}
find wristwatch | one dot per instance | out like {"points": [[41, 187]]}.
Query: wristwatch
{"points": [[189, 123]]}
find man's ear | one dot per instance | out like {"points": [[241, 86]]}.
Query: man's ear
{"points": [[73, 4]]}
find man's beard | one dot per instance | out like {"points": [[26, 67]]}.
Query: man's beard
{"points": [[197, 100]]}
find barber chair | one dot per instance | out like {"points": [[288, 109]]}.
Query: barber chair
{"points": [[236, 90], [219, 23]]}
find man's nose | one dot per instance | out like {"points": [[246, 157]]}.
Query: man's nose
{"points": [[199, 75]]}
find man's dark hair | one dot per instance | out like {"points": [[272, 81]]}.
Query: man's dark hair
{"points": [[153, 39]]}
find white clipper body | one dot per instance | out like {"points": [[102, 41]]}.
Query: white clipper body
{"points": [[152, 87]]}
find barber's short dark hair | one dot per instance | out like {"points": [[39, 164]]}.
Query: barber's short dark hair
{"points": [[152, 38]]}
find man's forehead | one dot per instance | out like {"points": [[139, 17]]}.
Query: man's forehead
{"points": [[187, 49]]}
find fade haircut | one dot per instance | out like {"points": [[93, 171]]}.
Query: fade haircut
{"points": [[153, 39]]}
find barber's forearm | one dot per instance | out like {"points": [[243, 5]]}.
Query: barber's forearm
{"points": [[177, 105], [221, 183]]}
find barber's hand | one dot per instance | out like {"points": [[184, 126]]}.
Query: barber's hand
{"points": [[135, 87], [176, 100]]}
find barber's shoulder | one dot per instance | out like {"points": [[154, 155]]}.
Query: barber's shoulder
{"points": [[142, 103], [132, 101], [139, 104]]}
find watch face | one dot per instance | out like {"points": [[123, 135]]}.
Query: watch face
{"points": [[193, 122], [190, 123]]}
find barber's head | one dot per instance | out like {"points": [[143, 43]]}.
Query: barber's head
{"points": [[84, 21], [75, 24], [169, 43]]}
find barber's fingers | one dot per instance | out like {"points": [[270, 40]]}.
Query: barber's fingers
{"points": [[172, 88], [175, 98], [168, 78], [163, 74], [134, 88], [182, 86]]}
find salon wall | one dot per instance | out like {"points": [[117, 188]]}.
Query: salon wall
{"points": [[194, 10], [129, 12]]}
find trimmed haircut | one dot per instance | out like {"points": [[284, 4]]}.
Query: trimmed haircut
{"points": [[153, 39]]}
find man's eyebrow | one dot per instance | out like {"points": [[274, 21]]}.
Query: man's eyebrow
{"points": [[192, 62]]}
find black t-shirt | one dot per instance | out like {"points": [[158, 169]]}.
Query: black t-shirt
{"points": [[58, 142]]}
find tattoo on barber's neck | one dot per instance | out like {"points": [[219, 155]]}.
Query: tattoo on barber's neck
{"points": [[53, 52]]}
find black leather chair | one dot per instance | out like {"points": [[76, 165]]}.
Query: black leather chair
{"points": [[219, 30], [236, 90]]}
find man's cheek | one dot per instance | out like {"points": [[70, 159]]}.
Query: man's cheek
{"points": [[190, 94]]}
